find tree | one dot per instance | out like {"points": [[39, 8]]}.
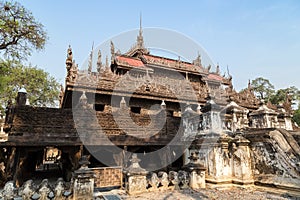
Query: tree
{"points": [[280, 95], [296, 116], [20, 32], [262, 88], [42, 89]]}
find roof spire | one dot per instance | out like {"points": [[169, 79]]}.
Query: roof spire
{"points": [[90, 65], [69, 58], [218, 69], [99, 62], [106, 62], [197, 61], [112, 52], [140, 39], [249, 85], [140, 21]]}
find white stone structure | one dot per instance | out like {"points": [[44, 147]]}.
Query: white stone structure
{"points": [[264, 117]]}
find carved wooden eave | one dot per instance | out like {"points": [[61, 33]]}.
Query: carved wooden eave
{"points": [[227, 81], [245, 98], [136, 51], [140, 94]]}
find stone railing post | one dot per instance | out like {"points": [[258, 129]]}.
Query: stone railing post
{"points": [[83, 187], [136, 181], [241, 161], [196, 171], [9, 191]]}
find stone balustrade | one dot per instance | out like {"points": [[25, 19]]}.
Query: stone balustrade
{"points": [[30, 190], [138, 180]]}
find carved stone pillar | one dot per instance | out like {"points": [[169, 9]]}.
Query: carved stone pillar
{"points": [[217, 160], [83, 187], [136, 181], [241, 161], [196, 170]]}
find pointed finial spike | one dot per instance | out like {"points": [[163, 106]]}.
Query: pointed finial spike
{"points": [[99, 62], [218, 69], [112, 51], [140, 39], [106, 62], [90, 64], [140, 21]]}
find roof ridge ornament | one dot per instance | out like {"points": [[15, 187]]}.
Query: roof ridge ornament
{"points": [[90, 64], [72, 68], [106, 62], [112, 51], [197, 61], [99, 62], [69, 59], [140, 38], [139, 47], [218, 69]]}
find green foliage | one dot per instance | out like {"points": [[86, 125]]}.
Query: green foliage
{"points": [[281, 95], [42, 89], [20, 32], [296, 116], [265, 90], [262, 88]]}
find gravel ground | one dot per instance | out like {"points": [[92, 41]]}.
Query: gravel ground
{"points": [[187, 194]]}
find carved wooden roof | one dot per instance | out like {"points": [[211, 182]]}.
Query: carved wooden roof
{"points": [[174, 64], [130, 62], [38, 126], [215, 77]]}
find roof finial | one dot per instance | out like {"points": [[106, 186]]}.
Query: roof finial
{"points": [[229, 75], [249, 85], [218, 69], [140, 39], [106, 62], [69, 57], [140, 21], [197, 61], [90, 65], [112, 51], [99, 62]]}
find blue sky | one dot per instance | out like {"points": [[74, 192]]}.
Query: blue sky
{"points": [[254, 38]]}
